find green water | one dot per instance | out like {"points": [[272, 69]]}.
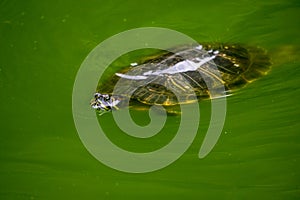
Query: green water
{"points": [[42, 45]]}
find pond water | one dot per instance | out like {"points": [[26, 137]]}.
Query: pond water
{"points": [[43, 44]]}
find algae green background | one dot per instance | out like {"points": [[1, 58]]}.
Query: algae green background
{"points": [[42, 45]]}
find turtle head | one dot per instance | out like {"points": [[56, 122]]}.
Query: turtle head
{"points": [[104, 103]]}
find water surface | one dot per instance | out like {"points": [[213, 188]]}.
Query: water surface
{"points": [[43, 44]]}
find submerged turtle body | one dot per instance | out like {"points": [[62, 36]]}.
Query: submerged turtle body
{"points": [[174, 77]]}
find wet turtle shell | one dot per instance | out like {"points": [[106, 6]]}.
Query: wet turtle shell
{"points": [[172, 78]]}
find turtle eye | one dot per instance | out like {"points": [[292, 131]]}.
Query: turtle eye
{"points": [[96, 95], [106, 97]]}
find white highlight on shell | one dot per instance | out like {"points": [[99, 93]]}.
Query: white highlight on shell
{"points": [[222, 96], [131, 77], [199, 47], [133, 64], [216, 52], [183, 66]]}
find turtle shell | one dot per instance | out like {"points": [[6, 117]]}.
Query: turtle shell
{"points": [[176, 77]]}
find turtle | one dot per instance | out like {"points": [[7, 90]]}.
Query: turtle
{"points": [[182, 75]]}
